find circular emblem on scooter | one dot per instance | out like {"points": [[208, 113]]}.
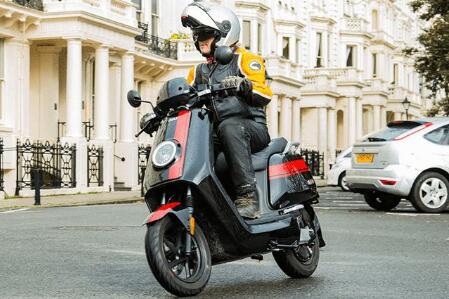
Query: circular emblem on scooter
{"points": [[164, 154]]}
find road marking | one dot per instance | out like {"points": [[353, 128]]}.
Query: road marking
{"points": [[13, 211], [126, 252], [349, 201], [412, 214]]}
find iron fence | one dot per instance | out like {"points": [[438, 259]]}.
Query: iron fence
{"points": [[315, 161], [94, 166], [1, 165], [144, 156], [57, 162], [144, 36], [88, 127], [35, 4], [163, 47]]}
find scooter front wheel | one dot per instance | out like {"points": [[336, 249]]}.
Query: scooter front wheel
{"points": [[179, 273], [299, 263]]}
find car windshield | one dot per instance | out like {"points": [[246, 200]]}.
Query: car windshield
{"points": [[393, 130]]}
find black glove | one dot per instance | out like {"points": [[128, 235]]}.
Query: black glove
{"points": [[243, 86]]}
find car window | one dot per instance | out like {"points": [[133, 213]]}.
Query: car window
{"points": [[393, 130], [439, 136]]}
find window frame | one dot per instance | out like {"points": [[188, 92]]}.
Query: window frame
{"points": [[155, 17], [246, 28], [319, 50], [2, 77], [352, 56], [374, 65], [286, 50]]}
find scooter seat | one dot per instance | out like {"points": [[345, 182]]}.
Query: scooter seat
{"points": [[259, 159]]}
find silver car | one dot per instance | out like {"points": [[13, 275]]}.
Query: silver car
{"points": [[337, 174], [408, 159]]}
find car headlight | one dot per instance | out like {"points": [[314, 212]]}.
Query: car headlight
{"points": [[164, 154]]}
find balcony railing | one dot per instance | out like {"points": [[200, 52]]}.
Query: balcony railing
{"points": [[122, 11], [354, 25], [277, 66], [156, 45], [313, 76], [35, 4]]}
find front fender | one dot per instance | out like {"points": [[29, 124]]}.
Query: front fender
{"points": [[173, 208]]}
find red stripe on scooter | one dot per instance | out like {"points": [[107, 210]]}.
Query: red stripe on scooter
{"points": [[181, 134], [287, 169], [162, 211]]}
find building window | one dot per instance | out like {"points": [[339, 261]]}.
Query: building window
{"points": [[154, 17], [395, 74], [374, 20], [374, 58], [319, 49], [350, 56], [298, 51], [285, 47], [139, 15], [247, 35], [259, 39]]}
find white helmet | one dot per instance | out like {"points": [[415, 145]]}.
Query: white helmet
{"points": [[218, 21]]}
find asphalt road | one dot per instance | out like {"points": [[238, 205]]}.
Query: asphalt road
{"points": [[97, 251]]}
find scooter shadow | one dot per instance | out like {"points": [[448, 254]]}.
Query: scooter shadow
{"points": [[261, 289]]}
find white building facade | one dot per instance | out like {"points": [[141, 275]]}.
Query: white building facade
{"points": [[66, 65]]}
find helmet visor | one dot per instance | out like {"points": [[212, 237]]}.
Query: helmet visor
{"points": [[203, 34]]}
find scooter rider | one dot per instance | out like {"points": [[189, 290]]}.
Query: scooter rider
{"points": [[240, 121]]}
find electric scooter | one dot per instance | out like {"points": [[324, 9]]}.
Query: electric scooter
{"points": [[194, 223]]}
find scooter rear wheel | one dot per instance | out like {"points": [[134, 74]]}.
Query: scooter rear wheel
{"points": [[299, 263], [174, 270]]}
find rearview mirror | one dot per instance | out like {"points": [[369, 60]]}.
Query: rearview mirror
{"points": [[134, 98], [223, 55]]}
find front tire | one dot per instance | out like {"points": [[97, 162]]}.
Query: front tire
{"points": [[430, 193], [382, 202], [165, 251], [299, 263]]}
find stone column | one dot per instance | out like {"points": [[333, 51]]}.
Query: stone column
{"points": [[376, 117], [359, 118], [286, 118], [273, 116], [397, 116], [254, 42], [126, 171], [383, 117], [74, 134], [101, 118], [74, 89], [352, 121], [127, 115], [296, 118], [332, 134], [323, 135]]}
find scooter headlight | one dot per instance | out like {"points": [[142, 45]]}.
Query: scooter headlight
{"points": [[164, 154]]}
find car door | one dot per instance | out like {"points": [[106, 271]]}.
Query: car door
{"points": [[440, 146]]}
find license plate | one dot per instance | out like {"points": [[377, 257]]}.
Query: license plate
{"points": [[365, 158]]}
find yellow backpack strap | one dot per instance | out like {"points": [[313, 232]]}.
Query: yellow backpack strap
{"points": [[253, 68], [191, 75]]}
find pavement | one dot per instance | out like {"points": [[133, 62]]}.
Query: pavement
{"points": [[82, 199]]}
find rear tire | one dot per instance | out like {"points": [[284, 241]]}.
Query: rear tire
{"points": [[430, 193], [382, 202], [342, 182], [164, 243], [294, 264]]}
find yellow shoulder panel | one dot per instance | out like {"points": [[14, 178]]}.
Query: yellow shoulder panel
{"points": [[191, 75], [253, 67]]}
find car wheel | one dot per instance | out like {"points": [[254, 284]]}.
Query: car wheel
{"points": [[343, 183], [430, 193], [382, 201]]}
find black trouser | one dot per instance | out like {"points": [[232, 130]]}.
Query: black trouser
{"points": [[239, 137]]}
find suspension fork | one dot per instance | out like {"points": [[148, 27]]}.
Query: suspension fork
{"points": [[191, 224]]}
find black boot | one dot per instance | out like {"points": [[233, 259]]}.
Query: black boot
{"points": [[247, 205]]}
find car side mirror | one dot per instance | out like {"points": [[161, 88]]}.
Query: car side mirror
{"points": [[223, 55], [134, 98]]}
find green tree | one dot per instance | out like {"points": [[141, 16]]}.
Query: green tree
{"points": [[432, 57]]}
